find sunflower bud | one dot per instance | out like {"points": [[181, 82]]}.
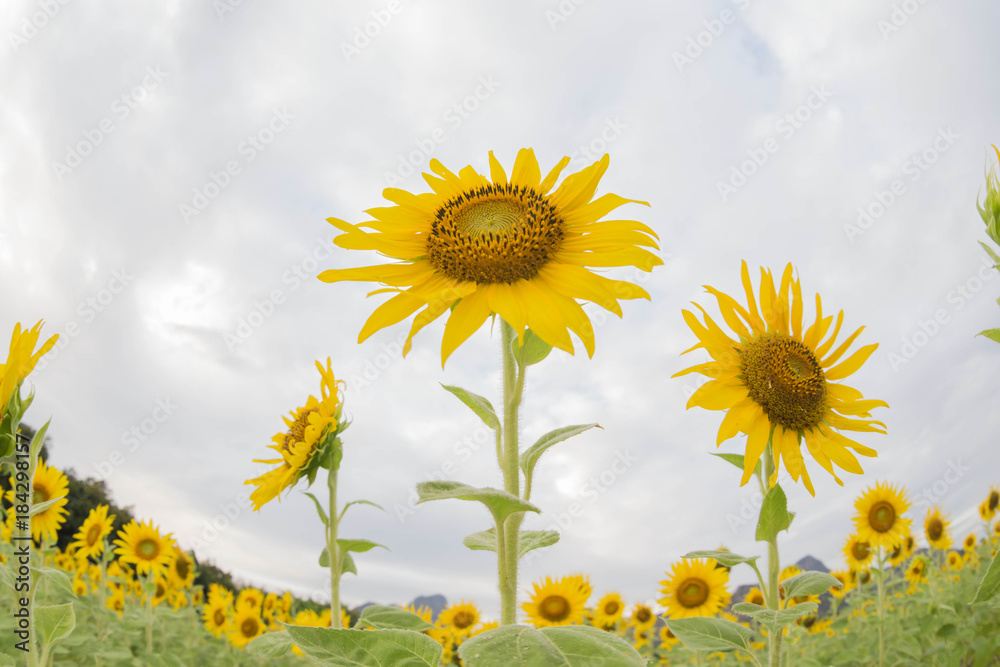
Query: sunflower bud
{"points": [[990, 209]]}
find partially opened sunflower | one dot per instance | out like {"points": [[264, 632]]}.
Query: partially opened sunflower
{"points": [[507, 246], [778, 382]]}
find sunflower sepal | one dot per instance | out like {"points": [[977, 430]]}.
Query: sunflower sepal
{"points": [[478, 404], [809, 583], [774, 515], [569, 645], [531, 351], [727, 558], [486, 540], [774, 619], [500, 503], [710, 634]]}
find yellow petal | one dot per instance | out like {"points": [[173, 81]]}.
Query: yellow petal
{"points": [[756, 322], [392, 311], [465, 319], [497, 173], [597, 209], [718, 395], [551, 178], [396, 275], [757, 439], [526, 170]]}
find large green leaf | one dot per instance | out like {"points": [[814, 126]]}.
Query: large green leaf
{"points": [[564, 646], [774, 515], [270, 645], [366, 648], [710, 634], [57, 577], [990, 584], [772, 618], [486, 540], [500, 503], [481, 406], [345, 547], [809, 583], [737, 460], [532, 351], [381, 617], [530, 456], [319, 510], [726, 558], [54, 622]]}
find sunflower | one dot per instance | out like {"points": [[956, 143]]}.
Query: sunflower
{"points": [[270, 606], [901, 551], [694, 587], [954, 560], [755, 596], [116, 602], [21, 360], [969, 544], [461, 617], [500, 246], [667, 639], [309, 619], [162, 588], [936, 529], [880, 519], [556, 603], [787, 573], [609, 611], [858, 553], [486, 627], [250, 598], [917, 572], [48, 484], [197, 598], [79, 585], [996, 529], [777, 381], [581, 581], [984, 510], [426, 614], [89, 540], [993, 501], [177, 599], [307, 429], [844, 577], [219, 594], [180, 569], [245, 626], [142, 545]]}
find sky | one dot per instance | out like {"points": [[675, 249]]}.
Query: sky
{"points": [[167, 169]]}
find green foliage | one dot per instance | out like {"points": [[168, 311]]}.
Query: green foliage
{"points": [[375, 648], [563, 646], [530, 540], [380, 617], [500, 503], [774, 515]]}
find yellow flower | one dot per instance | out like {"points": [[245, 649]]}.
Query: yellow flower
{"points": [[992, 502], [245, 626], [844, 577], [970, 542], [668, 639], [642, 618], [486, 627], [116, 602], [880, 520], [502, 246], [90, 537], [984, 510], [21, 360], [219, 594], [307, 428], [858, 553], [755, 596], [609, 611], [556, 603], [250, 598], [936, 529], [460, 617], [777, 382], [901, 551], [142, 545], [425, 613], [694, 587], [309, 619], [79, 585], [954, 560], [917, 572], [48, 484], [180, 569], [216, 617], [162, 588]]}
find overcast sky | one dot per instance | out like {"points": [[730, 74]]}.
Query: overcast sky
{"points": [[166, 170]]}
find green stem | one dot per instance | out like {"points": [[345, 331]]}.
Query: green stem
{"points": [[22, 536], [149, 622], [513, 387], [773, 570], [333, 549]]}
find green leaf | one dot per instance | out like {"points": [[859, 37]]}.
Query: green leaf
{"points": [[563, 646], [992, 334], [809, 583], [726, 558], [36, 442], [358, 546], [737, 460], [772, 618], [529, 458], [348, 565], [324, 558], [320, 510], [774, 515], [481, 406], [486, 540], [532, 351], [57, 577], [500, 503], [366, 648], [7, 577], [41, 507], [360, 502], [270, 645], [710, 634], [54, 622], [990, 584], [382, 617]]}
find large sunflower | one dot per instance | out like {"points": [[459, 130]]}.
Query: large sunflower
{"points": [[556, 603], [880, 519], [500, 246], [21, 360], [936, 529], [89, 540], [48, 484], [142, 545], [777, 381], [307, 428], [694, 587]]}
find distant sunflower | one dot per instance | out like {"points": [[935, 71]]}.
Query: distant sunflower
{"points": [[116, 602], [642, 618], [582, 582], [48, 484], [142, 545], [777, 382], [79, 585], [219, 594], [901, 551], [936, 529], [425, 613], [694, 587], [844, 577], [667, 639], [880, 519], [307, 618], [461, 616], [245, 626], [162, 588], [89, 540], [755, 596], [609, 610], [250, 598], [858, 553], [21, 360], [180, 569], [556, 603], [996, 529], [502, 246], [917, 572], [307, 428], [954, 560], [993, 501], [984, 510], [969, 544]]}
